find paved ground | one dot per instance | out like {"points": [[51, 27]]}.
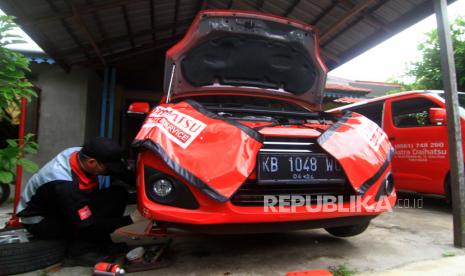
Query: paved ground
{"points": [[399, 240]]}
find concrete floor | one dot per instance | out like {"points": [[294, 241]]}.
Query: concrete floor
{"points": [[395, 239]]}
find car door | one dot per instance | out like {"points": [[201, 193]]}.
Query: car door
{"points": [[420, 161]]}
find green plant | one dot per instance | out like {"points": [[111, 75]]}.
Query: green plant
{"points": [[13, 68], [341, 270], [12, 156], [427, 71], [13, 87]]}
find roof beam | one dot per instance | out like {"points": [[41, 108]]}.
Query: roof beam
{"points": [[83, 10], [68, 30], [325, 12], [175, 17], [152, 19], [326, 53], [230, 4], [375, 22], [291, 8], [149, 47], [201, 5], [102, 32], [86, 31], [399, 24], [128, 25], [37, 35], [355, 22], [259, 5], [346, 18], [162, 44], [101, 44]]}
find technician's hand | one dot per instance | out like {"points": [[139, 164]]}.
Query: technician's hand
{"points": [[136, 216]]}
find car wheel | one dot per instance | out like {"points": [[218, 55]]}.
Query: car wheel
{"points": [[20, 252], [348, 231], [4, 192]]}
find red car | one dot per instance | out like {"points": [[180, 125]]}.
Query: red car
{"points": [[415, 122], [239, 144]]}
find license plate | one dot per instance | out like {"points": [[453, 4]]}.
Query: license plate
{"points": [[299, 168]]}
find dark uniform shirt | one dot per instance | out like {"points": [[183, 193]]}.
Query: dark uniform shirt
{"points": [[62, 191]]}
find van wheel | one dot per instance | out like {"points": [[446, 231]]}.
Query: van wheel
{"points": [[20, 252], [348, 231], [4, 192]]}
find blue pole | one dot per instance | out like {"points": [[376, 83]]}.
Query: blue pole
{"points": [[112, 103], [111, 109], [103, 111]]}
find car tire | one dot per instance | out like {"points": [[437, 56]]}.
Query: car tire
{"points": [[4, 192], [348, 231], [18, 257]]}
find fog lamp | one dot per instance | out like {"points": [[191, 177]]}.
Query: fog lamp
{"points": [[162, 187], [389, 184]]}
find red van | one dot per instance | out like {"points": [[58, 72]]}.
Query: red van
{"points": [[239, 142], [415, 122]]}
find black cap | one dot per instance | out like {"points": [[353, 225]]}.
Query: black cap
{"points": [[106, 151]]}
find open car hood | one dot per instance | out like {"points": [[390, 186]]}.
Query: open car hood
{"points": [[226, 51]]}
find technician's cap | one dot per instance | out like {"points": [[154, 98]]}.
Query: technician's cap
{"points": [[106, 151]]}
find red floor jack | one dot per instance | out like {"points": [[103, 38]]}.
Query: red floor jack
{"points": [[141, 258]]}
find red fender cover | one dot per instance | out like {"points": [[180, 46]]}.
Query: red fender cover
{"points": [[361, 147], [210, 152]]}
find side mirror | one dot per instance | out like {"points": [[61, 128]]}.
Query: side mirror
{"points": [[139, 108], [437, 116]]}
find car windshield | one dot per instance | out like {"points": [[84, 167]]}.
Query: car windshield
{"points": [[239, 106], [247, 102], [461, 98], [461, 101]]}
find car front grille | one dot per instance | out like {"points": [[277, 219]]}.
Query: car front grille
{"points": [[285, 144], [252, 193]]}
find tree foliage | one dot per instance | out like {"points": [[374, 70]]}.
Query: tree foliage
{"points": [[427, 71], [13, 87]]}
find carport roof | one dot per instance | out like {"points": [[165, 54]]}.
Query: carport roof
{"points": [[99, 33]]}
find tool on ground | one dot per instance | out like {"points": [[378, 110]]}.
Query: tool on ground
{"points": [[108, 269], [136, 255], [147, 258], [141, 258]]}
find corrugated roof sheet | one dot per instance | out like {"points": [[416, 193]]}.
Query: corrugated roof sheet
{"points": [[91, 32]]}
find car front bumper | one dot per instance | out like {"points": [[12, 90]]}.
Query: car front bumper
{"points": [[211, 212]]}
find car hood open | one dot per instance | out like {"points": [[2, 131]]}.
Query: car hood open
{"points": [[247, 52]]}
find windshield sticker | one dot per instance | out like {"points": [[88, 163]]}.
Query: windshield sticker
{"points": [[180, 128]]}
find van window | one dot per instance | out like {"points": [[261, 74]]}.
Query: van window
{"points": [[373, 111], [412, 112]]}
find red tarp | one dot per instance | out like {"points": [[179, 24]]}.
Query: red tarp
{"points": [[217, 155], [210, 152]]}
